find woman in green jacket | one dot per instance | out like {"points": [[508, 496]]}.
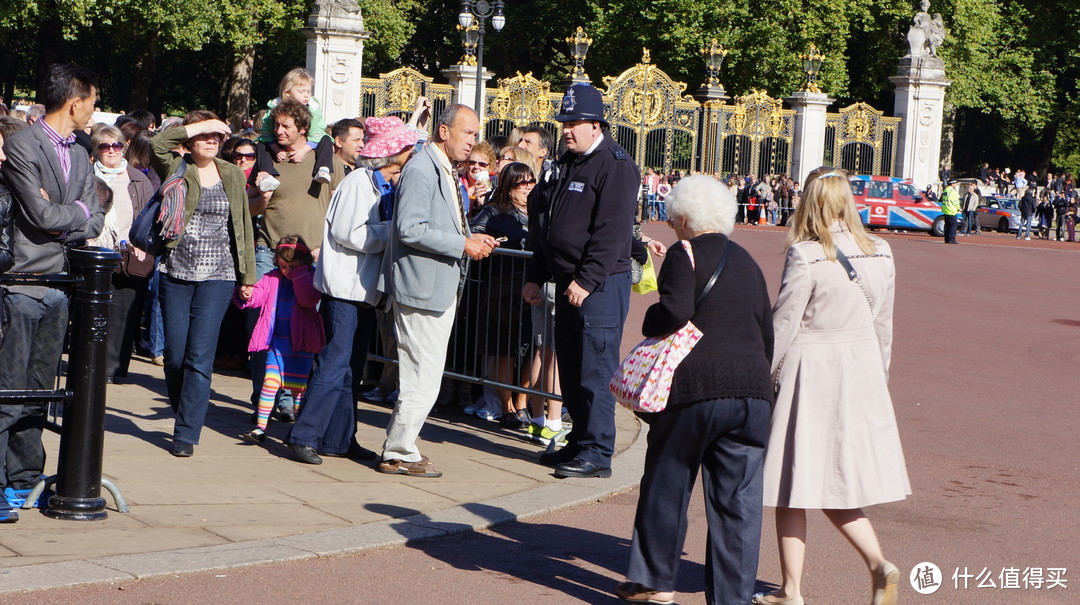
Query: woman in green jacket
{"points": [[212, 254]]}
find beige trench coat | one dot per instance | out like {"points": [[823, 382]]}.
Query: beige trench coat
{"points": [[833, 440]]}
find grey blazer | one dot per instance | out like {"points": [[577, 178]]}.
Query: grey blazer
{"points": [[31, 166], [423, 265]]}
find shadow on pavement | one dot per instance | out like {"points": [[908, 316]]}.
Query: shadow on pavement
{"points": [[558, 558]]}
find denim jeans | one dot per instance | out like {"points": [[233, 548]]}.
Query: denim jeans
{"points": [[157, 326], [28, 360], [1024, 228], [971, 224], [192, 312], [327, 421]]}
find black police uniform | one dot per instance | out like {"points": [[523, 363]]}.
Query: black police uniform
{"points": [[580, 228]]}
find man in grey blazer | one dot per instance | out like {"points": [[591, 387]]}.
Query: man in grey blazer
{"points": [[423, 271], [55, 206]]}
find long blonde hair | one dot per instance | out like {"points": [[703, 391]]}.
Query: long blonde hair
{"points": [[826, 199]]}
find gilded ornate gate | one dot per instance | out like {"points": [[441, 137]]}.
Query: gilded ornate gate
{"points": [[755, 135], [861, 140], [395, 93], [652, 118], [520, 101]]}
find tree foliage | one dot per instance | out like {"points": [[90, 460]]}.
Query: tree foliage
{"points": [[1014, 64]]}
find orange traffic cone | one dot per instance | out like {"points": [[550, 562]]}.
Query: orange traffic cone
{"points": [[761, 220]]}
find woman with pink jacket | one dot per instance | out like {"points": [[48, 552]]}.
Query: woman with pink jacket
{"points": [[289, 329]]}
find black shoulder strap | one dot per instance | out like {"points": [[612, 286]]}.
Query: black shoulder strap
{"points": [[716, 273], [843, 259]]}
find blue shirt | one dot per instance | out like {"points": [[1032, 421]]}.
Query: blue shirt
{"points": [[386, 199]]}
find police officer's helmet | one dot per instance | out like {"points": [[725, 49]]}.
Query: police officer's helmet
{"points": [[582, 102]]}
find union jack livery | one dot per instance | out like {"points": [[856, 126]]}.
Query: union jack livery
{"points": [[894, 203]]}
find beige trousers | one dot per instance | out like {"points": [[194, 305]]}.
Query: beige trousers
{"points": [[422, 338]]}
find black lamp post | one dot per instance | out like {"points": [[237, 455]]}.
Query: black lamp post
{"points": [[478, 11]]}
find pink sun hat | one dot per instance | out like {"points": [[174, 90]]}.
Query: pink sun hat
{"points": [[385, 137]]}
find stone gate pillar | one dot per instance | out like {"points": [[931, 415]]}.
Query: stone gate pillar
{"points": [[808, 142], [463, 78], [335, 52], [920, 103]]}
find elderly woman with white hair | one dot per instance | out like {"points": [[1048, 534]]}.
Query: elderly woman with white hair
{"points": [[717, 417]]}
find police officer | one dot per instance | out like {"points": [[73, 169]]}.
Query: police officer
{"points": [[580, 229], [950, 206]]}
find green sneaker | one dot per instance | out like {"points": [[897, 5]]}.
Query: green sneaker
{"points": [[533, 430], [546, 435]]}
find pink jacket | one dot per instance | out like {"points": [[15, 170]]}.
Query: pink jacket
{"points": [[305, 325]]}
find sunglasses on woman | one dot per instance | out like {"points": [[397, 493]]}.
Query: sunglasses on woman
{"points": [[246, 156], [526, 183], [477, 163], [117, 146]]}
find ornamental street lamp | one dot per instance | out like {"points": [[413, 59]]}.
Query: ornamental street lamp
{"points": [[477, 12], [811, 65], [469, 38], [579, 47], [714, 57], [711, 89]]}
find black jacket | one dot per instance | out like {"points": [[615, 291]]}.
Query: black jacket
{"points": [[582, 215], [733, 357], [1027, 205], [7, 229]]}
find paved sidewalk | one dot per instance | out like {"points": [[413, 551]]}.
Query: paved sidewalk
{"points": [[236, 504]]}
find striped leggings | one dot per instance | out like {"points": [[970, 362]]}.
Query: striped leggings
{"points": [[285, 369]]}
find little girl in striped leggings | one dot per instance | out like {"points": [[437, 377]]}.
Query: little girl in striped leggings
{"points": [[289, 329]]}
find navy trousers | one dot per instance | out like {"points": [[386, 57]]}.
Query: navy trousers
{"points": [[726, 439], [587, 340], [327, 420], [28, 360]]}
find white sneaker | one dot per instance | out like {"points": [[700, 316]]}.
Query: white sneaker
{"points": [[1028, 238], [323, 176]]}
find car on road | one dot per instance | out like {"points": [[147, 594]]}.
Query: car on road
{"points": [[999, 212], [895, 203]]}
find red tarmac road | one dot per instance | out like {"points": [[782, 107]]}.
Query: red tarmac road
{"points": [[987, 349]]}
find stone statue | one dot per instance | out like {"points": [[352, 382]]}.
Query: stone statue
{"points": [[334, 13], [919, 34], [337, 7], [936, 35]]}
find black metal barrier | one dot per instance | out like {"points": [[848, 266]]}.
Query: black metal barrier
{"points": [[499, 340], [78, 480]]}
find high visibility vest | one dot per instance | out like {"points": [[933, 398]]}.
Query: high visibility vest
{"points": [[950, 201]]}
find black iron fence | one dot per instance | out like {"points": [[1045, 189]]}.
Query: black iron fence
{"points": [[499, 340]]}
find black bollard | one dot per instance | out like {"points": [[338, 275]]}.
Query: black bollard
{"points": [[82, 438]]}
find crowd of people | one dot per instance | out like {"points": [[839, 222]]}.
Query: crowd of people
{"points": [[769, 200], [323, 243]]}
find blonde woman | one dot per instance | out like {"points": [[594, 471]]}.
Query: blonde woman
{"points": [[509, 155], [833, 441]]}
